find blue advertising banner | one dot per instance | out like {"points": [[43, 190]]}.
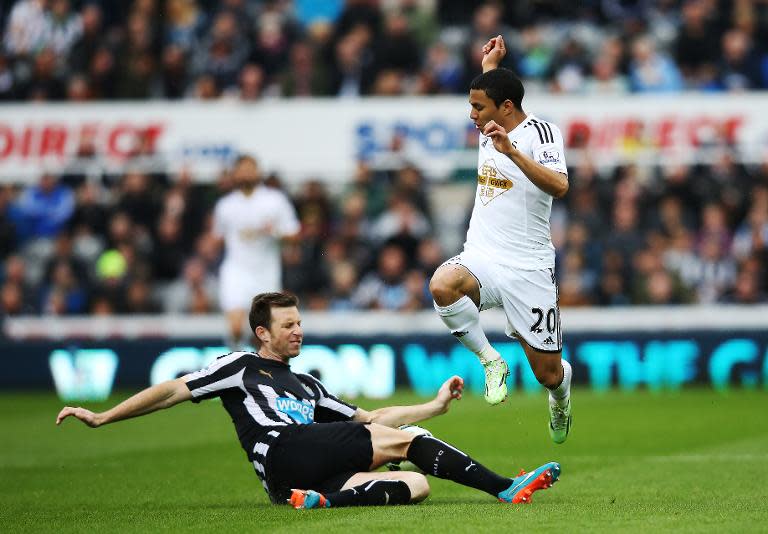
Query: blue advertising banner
{"points": [[374, 366]]}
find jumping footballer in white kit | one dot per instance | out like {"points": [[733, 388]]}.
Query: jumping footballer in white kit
{"points": [[252, 221], [508, 258]]}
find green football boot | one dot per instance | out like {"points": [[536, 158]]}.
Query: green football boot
{"points": [[496, 373], [559, 420]]}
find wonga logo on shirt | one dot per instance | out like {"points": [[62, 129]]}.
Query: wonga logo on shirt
{"points": [[300, 411]]}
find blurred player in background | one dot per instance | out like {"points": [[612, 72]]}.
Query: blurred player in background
{"points": [[251, 221], [297, 435], [508, 258]]}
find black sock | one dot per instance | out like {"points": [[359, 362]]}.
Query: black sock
{"points": [[439, 459], [372, 493]]}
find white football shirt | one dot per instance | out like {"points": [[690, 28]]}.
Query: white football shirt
{"points": [[252, 227], [510, 218]]}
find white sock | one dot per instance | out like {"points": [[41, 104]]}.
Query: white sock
{"points": [[463, 319], [562, 393]]}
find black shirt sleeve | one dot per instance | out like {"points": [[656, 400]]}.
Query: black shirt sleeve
{"points": [[224, 373]]}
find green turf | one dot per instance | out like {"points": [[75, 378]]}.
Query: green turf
{"points": [[686, 462]]}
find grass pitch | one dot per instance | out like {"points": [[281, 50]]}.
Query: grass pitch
{"points": [[692, 461]]}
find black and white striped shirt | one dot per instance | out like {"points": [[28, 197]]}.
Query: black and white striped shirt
{"points": [[263, 397]]}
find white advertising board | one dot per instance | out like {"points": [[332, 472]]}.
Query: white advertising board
{"points": [[324, 138]]}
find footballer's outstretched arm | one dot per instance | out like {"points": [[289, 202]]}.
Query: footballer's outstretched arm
{"points": [[394, 416], [157, 397]]}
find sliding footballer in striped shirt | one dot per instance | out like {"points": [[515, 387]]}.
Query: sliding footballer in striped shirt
{"points": [[310, 448]]}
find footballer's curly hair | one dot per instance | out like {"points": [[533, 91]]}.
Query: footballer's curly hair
{"points": [[261, 308], [501, 84]]}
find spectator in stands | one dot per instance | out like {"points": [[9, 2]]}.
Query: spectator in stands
{"points": [[64, 294], [195, 292], [16, 275], [651, 70], [417, 295], [696, 47], [442, 72], [184, 24], [135, 62], [384, 288], [251, 83], [8, 241], [746, 290], [352, 66], [344, 279], [223, 52], [139, 299], [63, 28], [272, 41], [88, 41], [13, 302], [402, 221], [175, 72], [42, 211], [752, 235], [739, 68], [138, 200], [45, 82], [306, 76], [25, 32]]}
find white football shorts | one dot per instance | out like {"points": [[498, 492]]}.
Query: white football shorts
{"points": [[238, 286], [529, 299]]}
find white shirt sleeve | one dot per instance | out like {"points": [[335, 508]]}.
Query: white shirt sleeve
{"points": [[219, 222], [551, 154], [288, 222]]}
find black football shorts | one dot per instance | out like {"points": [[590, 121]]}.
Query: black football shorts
{"points": [[318, 456]]}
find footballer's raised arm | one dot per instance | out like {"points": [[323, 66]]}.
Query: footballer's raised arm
{"points": [[493, 52], [395, 416], [157, 397]]}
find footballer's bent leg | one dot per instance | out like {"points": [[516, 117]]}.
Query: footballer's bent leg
{"points": [[389, 444], [456, 294], [437, 458], [554, 373], [416, 482], [367, 489]]}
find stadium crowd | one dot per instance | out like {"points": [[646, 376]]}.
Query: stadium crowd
{"points": [[250, 49], [138, 242], [143, 244]]}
